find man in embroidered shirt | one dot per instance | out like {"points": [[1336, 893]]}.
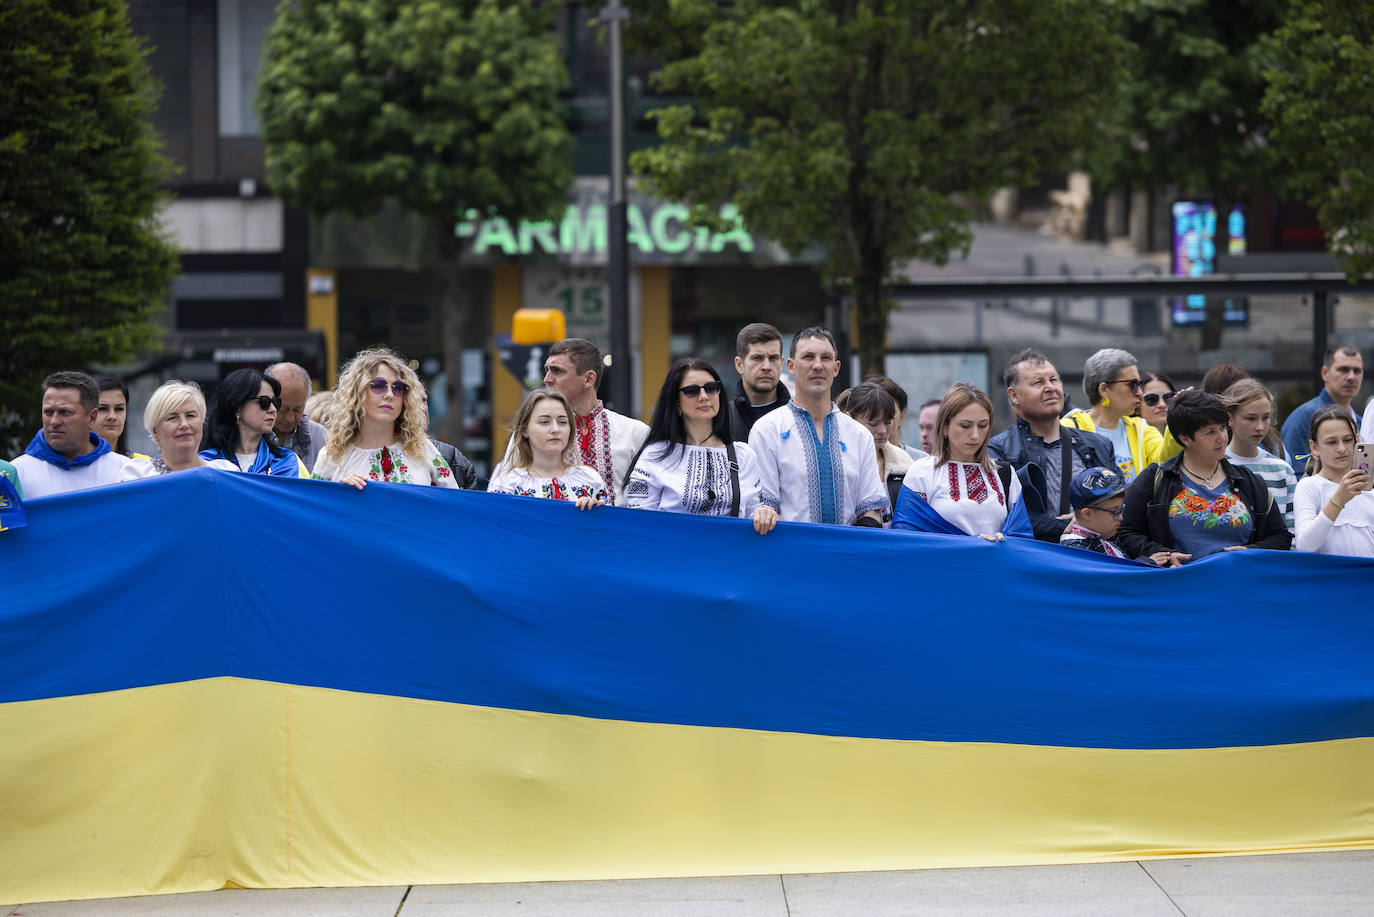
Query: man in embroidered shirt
{"points": [[606, 441], [758, 361], [67, 455], [294, 429], [816, 464], [1342, 373]]}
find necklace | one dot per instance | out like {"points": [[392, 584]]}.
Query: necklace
{"points": [[1206, 481]]}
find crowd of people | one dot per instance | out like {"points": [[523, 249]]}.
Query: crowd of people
{"points": [[1148, 471]]}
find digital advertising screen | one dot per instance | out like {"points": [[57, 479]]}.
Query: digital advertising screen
{"points": [[1194, 253]]}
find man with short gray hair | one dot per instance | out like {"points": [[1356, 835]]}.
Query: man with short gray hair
{"points": [[296, 431]]}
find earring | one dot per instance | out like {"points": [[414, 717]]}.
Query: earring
{"points": [[1106, 402]]}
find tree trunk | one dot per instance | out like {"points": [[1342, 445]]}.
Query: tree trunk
{"points": [[870, 309], [453, 310], [1214, 321]]}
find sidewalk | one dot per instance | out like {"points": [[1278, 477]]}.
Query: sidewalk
{"points": [[1339, 882]]}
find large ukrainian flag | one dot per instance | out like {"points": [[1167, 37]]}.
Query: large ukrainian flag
{"points": [[213, 678]]}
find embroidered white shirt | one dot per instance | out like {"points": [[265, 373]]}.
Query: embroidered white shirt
{"points": [[809, 480], [692, 479], [614, 442], [429, 468], [965, 494], [577, 481]]}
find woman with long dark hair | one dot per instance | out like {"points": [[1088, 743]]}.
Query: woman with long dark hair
{"points": [[113, 412], [238, 426], [689, 462]]}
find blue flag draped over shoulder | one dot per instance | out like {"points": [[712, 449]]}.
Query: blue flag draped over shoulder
{"points": [[12, 515], [486, 688]]}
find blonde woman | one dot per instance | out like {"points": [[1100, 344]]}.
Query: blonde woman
{"points": [[1251, 407], [960, 490], [540, 463], [377, 427], [175, 419]]}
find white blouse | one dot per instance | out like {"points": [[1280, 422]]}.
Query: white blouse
{"points": [[578, 481], [965, 494], [692, 479], [396, 466], [1353, 531]]}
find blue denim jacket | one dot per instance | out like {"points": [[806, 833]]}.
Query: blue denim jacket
{"points": [[1026, 453]]}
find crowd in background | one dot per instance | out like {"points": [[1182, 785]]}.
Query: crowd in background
{"points": [[1147, 470]]}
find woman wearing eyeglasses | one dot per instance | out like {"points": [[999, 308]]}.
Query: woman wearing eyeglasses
{"points": [[1156, 391], [1112, 383], [238, 426], [688, 463], [377, 427]]}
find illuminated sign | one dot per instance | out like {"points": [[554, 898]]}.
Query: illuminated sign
{"points": [[652, 229], [1195, 253]]}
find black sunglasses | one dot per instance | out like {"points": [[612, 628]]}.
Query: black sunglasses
{"points": [[1133, 383], [711, 388], [266, 402], [398, 388], [1154, 398]]}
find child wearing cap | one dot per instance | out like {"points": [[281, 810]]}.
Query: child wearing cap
{"points": [[1096, 496]]}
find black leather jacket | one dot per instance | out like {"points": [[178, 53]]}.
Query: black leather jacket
{"points": [[1026, 453]]}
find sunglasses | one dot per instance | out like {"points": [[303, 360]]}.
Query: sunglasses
{"points": [[1133, 383], [1154, 398], [266, 402], [711, 388], [398, 388]]}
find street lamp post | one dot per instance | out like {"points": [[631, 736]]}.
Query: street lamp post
{"points": [[617, 254]]}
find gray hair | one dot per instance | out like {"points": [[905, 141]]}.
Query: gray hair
{"points": [[1104, 366], [278, 370]]}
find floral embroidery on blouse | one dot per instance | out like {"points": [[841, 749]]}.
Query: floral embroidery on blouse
{"points": [[1226, 509]]}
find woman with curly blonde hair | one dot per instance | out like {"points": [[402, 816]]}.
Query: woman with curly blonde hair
{"points": [[377, 427]]}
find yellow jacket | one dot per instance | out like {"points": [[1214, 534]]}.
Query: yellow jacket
{"points": [[1147, 444]]}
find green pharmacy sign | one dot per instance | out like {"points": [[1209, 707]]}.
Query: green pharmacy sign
{"points": [[655, 229]]}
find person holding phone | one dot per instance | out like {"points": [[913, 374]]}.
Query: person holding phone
{"points": [[1333, 507]]}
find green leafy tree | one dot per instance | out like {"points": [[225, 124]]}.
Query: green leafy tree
{"points": [[1188, 106], [854, 126], [442, 105], [1321, 100], [83, 263]]}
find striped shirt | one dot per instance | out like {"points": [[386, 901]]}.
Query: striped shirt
{"points": [[1278, 476]]}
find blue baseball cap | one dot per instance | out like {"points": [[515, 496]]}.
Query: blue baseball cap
{"points": [[1093, 485]]}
